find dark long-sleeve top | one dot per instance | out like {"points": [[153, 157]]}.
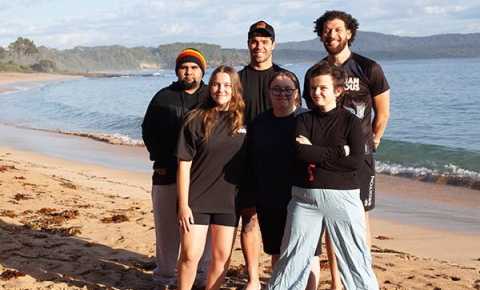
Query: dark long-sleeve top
{"points": [[271, 153], [325, 130], [162, 124], [271, 156]]}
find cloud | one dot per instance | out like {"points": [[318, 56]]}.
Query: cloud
{"points": [[65, 24], [443, 10]]}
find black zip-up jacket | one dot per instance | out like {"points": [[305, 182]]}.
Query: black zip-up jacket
{"points": [[162, 124]]}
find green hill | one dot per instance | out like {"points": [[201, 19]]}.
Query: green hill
{"points": [[23, 55], [385, 46]]}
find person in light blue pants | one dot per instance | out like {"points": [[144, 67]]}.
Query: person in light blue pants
{"points": [[325, 195]]}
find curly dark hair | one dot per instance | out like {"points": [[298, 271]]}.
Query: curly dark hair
{"points": [[350, 22]]}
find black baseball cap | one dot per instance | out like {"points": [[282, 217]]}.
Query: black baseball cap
{"points": [[261, 28]]}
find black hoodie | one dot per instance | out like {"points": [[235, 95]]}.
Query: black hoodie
{"points": [[162, 124]]}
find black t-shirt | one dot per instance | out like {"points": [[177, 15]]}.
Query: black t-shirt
{"points": [[328, 132], [271, 153], [365, 80], [255, 90], [217, 164]]}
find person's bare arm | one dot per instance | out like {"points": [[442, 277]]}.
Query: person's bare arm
{"points": [[381, 105], [185, 216]]}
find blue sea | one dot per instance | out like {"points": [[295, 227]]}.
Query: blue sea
{"points": [[433, 133]]}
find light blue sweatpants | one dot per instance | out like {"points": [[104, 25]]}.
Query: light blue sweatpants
{"points": [[342, 213]]}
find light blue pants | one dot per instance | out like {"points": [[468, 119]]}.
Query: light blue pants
{"points": [[342, 214]]}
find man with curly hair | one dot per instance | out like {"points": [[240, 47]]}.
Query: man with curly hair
{"points": [[367, 95]]}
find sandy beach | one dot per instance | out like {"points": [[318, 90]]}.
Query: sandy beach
{"points": [[13, 77], [8, 80], [76, 214], [67, 224]]}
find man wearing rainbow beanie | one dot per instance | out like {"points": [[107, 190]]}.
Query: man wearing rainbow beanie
{"points": [[160, 129]]}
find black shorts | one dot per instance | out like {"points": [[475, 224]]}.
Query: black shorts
{"points": [[272, 223], [366, 175], [221, 219]]}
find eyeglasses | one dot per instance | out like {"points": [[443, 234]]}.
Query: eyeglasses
{"points": [[277, 91]]}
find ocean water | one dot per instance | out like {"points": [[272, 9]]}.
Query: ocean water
{"points": [[433, 133]]}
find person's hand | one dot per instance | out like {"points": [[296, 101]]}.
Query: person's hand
{"points": [[185, 218], [376, 142], [303, 140]]}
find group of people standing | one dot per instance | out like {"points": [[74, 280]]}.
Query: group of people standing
{"points": [[242, 146]]}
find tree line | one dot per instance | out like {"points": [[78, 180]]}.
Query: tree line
{"points": [[18, 54], [24, 55]]}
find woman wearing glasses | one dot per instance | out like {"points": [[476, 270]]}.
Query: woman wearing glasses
{"points": [[211, 165], [270, 158], [325, 190], [271, 154]]}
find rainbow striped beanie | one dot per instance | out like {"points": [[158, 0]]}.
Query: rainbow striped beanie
{"points": [[191, 55]]}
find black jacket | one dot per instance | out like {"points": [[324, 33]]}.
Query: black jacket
{"points": [[161, 126]]}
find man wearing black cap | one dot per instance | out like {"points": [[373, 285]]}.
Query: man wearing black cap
{"points": [[255, 77], [160, 129]]}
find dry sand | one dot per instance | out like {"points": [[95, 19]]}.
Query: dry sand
{"points": [[66, 224], [8, 79], [13, 77]]}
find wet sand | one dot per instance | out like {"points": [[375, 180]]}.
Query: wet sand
{"points": [[76, 148], [441, 207]]}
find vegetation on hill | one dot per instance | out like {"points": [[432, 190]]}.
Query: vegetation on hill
{"points": [[384, 46], [24, 56]]}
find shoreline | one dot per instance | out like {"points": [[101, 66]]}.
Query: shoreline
{"points": [[429, 205], [70, 224], [72, 209], [123, 140], [9, 80]]}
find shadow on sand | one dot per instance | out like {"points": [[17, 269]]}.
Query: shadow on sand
{"points": [[71, 260]]}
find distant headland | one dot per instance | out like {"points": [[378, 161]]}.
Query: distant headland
{"points": [[23, 55]]}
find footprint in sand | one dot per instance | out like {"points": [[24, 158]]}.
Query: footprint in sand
{"points": [[8, 213], [22, 196], [390, 264], [4, 168], [118, 218], [10, 274], [383, 238]]}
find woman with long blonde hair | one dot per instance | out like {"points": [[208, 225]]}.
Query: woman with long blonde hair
{"points": [[210, 167]]}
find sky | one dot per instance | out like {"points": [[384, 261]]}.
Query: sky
{"points": [[65, 24]]}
